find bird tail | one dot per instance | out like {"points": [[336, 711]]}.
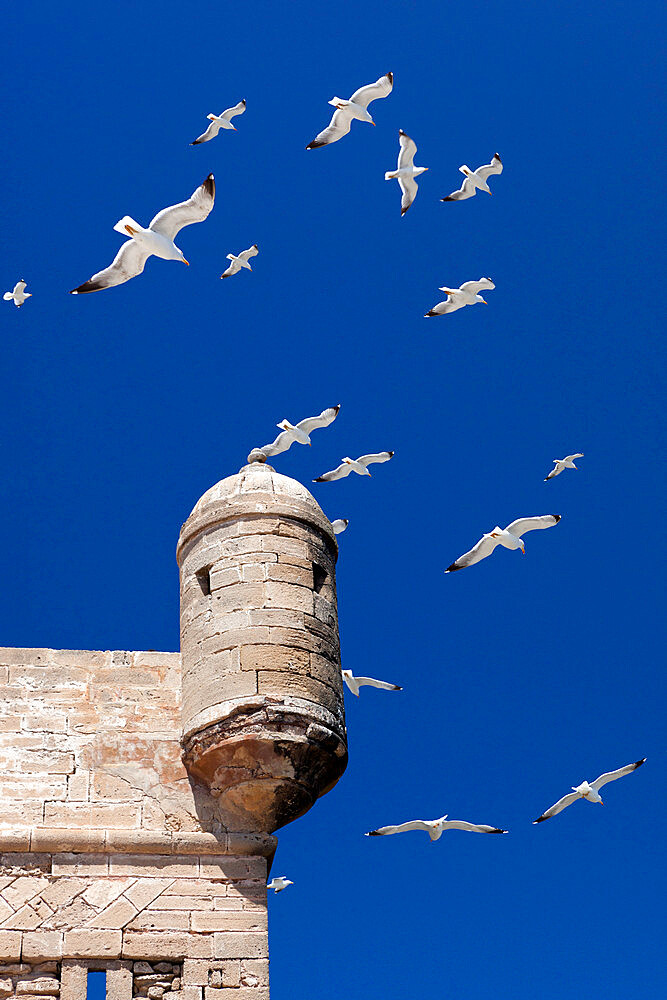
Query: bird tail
{"points": [[390, 175], [337, 101], [126, 224], [7, 296]]}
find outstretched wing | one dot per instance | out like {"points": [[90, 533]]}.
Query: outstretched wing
{"points": [[339, 525], [409, 188], [381, 88], [467, 190], [494, 167], [481, 550], [210, 133], [338, 127], [570, 458], [233, 268], [128, 263], [475, 287], [440, 308], [344, 469], [171, 220], [415, 824], [524, 524], [563, 803], [283, 442], [250, 252], [460, 824], [325, 418], [371, 682], [613, 775], [406, 153], [238, 109], [382, 456]]}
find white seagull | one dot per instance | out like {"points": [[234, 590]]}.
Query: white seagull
{"points": [[241, 261], [509, 537], [279, 883], [356, 107], [18, 295], [475, 179], [220, 121], [340, 525], [435, 827], [358, 465], [158, 239], [588, 791], [294, 432], [564, 463], [406, 172], [457, 298], [354, 683]]}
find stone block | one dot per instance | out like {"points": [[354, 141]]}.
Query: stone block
{"points": [[153, 865], [195, 972], [239, 993], [245, 944], [40, 946], [196, 887], [119, 984], [258, 968], [10, 946], [24, 888], [229, 920], [92, 943], [225, 577], [73, 980], [279, 683], [101, 815], [63, 890], [38, 985], [145, 890], [160, 920], [231, 867], [286, 546], [156, 944], [116, 915], [26, 918], [288, 596], [281, 572]]}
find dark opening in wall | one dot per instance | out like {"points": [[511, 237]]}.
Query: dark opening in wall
{"points": [[319, 577], [204, 580], [97, 986]]}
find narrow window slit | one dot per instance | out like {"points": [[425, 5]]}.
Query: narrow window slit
{"points": [[319, 577], [96, 986], [204, 580]]}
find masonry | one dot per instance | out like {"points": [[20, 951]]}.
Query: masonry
{"points": [[139, 791]]}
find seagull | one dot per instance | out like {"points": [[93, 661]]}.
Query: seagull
{"points": [[18, 295], [564, 463], [340, 525], [279, 883], [241, 261], [588, 791], [354, 108], [354, 683], [294, 432], [220, 121], [158, 239], [466, 295], [406, 172], [435, 827], [357, 465], [475, 179], [510, 537]]}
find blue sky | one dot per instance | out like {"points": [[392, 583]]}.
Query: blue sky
{"points": [[522, 675]]}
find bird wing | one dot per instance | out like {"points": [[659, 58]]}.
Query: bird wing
{"points": [[21, 285], [460, 824], [415, 824], [238, 109], [440, 308], [340, 123], [409, 188], [344, 469], [171, 220], [494, 167], [381, 88], [382, 456], [233, 268], [481, 550], [475, 287], [283, 442], [570, 458], [556, 471], [128, 263], [210, 133], [523, 524], [563, 803], [325, 418], [339, 525], [406, 153], [613, 775], [467, 190], [371, 682]]}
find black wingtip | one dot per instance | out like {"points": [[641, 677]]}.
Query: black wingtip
{"points": [[315, 144], [448, 198], [320, 479], [373, 833], [429, 313], [391, 76], [497, 156], [498, 830], [557, 516], [639, 763], [541, 819], [453, 568]]}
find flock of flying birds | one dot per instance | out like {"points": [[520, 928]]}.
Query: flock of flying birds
{"points": [[158, 240]]}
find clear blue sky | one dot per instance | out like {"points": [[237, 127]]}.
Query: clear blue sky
{"points": [[118, 410]]}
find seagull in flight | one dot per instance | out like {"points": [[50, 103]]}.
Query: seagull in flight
{"points": [[509, 537], [18, 295], [406, 172], [435, 827], [220, 121], [340, 525], [588, 791], [157, 239], [354, 683], [241, 261], [457, 298], [355, 107], [358, 465], [476, 179], [279, 883], [294, 432], [564, 463]]}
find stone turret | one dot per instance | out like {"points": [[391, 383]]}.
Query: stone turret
{"points": [[262, 698]]}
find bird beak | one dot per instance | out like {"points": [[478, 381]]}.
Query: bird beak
{"points": [[485, 302], [235, 128], [310, 444], [373, 124], [523, 550], [186, 262]]}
